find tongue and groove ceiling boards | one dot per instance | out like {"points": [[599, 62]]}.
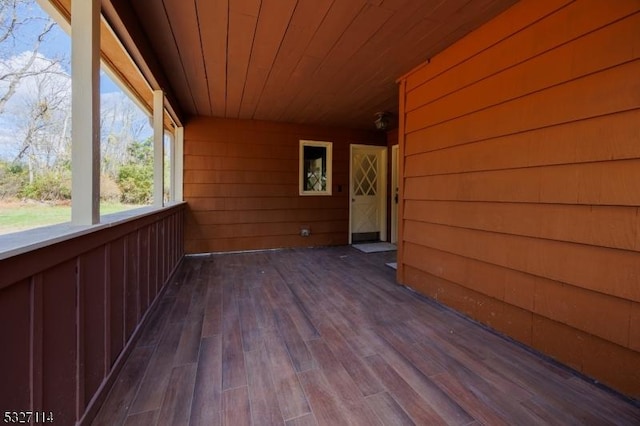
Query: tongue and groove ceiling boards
{"points": [[327, 62]]}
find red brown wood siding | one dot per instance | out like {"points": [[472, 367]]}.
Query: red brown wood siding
{"points": [[241, 185], [68, 312], [521, 160]]}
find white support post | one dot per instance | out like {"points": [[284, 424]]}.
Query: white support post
{"points": [[158, 148], [172, 167], [85, 111], [179, 164]]}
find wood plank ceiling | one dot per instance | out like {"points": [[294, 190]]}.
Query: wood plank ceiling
{"points": [[327, 62]]}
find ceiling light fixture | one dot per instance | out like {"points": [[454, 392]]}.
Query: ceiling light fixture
{"points": [[382, 120]]}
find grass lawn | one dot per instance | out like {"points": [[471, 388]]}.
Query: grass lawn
{"points": [[18, 216]]}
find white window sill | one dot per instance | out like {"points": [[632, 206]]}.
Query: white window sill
{"points": [[32, 239]]}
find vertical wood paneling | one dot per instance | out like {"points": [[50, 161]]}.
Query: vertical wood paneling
{"points": [[15, 363], [106, 359], [162, 260], [80, 332], [144, 278], [158, 258], [59, 345], [37, 341], [172, 230], [69, 322], [92, 269], [117, 273], [241, 183], [155, 264], [520, 146], [132, 285]]}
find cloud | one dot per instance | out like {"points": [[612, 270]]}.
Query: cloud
{"points": [[40, 63]]}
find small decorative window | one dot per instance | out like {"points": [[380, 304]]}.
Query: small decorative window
{"points": [[315, 168]]}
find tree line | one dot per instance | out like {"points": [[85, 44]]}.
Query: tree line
{"points": [[130, 182]]}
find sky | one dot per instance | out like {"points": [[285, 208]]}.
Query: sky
{"points": [[58, 42]]}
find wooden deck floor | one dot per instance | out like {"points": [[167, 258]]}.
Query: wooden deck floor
{"points": [[324, 336]]}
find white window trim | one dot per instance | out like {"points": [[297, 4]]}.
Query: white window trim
{"points": [[329, 148], [85, 113], [177, 157], [158, 148], [87, 218]]}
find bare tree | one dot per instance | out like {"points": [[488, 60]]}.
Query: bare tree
{"points": [[43, 118], [10, 23], [121, 124]]}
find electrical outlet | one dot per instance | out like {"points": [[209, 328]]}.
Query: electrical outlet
{"points": [[305, 232]]}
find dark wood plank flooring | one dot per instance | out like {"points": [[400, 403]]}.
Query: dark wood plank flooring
{"points": [[326, 337]]}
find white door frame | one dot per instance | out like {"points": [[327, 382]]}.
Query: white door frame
{"points": [[394, 184], [382, 178]]}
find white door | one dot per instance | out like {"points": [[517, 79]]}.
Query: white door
{"points": [[394, 193], [368, 193]]}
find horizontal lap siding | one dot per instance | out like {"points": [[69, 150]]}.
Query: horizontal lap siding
{"points": [[241, 184], [521, 162]]}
